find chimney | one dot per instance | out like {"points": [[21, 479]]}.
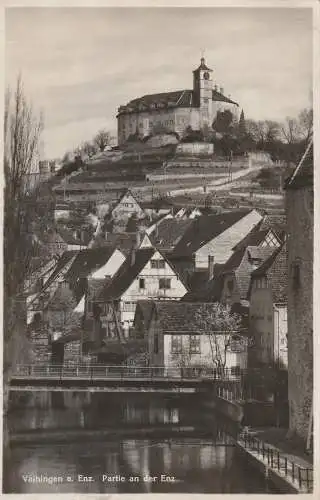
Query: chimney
{"points": [[211, 266], [221, 90], [216, 88]]}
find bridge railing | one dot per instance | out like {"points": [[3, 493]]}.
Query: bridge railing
{"points": [[119, 372]]}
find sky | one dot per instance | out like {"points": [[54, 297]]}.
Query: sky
{"points": [[80, 64]]}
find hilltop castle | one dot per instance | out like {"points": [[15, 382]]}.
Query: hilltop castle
{"points": [[177, 110]]}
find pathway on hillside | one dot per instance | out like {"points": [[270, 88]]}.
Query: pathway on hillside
{"points": [[219, 184]]}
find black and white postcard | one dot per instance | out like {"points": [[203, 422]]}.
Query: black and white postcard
{"points": [[158, 248]]}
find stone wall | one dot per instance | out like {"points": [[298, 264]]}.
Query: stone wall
{"points": [[299, 206]]}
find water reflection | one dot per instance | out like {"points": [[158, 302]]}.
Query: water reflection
{"points": [[190, 463]]}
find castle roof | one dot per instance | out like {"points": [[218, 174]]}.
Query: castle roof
{"points": [[176, 99], [202, 66]]}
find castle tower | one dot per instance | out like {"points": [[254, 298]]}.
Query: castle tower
{"points": [[202, 89]]}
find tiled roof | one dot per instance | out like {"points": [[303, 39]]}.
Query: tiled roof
{"points": [[123, 278], [123, 241], [62, 299], [183, 317], [178, 98], [276, 271], [89, 260], [68, 237], [238, 264], [64, 261], [243, 272], [86, 262], [303, 174], [210, 292], [169, 232], [253, 238], [204, 229], [217, 96]]}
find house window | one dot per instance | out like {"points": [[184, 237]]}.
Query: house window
{"points": [[195, 346], [142, 283], [164, 283], [129, 306], [235, 371], [157, 264], [176, 344]]}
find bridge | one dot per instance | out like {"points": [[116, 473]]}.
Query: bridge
{"points": [[101, 378]]}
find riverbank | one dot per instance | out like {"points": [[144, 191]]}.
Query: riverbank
{"points": [[283, 463]]}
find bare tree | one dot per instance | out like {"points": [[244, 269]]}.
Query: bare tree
{"points": [[22, 130], [102, 139], [263, 131], [89, 148], [290, 130], [221, 327], [305, 120]]}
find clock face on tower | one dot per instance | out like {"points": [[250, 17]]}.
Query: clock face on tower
{"points": [[206, 76]]}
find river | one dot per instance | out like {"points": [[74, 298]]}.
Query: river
{"points": [[124, 443]]}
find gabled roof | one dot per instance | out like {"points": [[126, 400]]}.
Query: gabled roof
{"points": [[169, 232], [277, 223], [123, 278], [176, 317], [204, 229], [123, 193], [240, 265], [243, 273], [85, 263], [255, 237], [276, 271], [68, 237], [123, 241], [62, 299], [64, 261], [303, 174]]}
